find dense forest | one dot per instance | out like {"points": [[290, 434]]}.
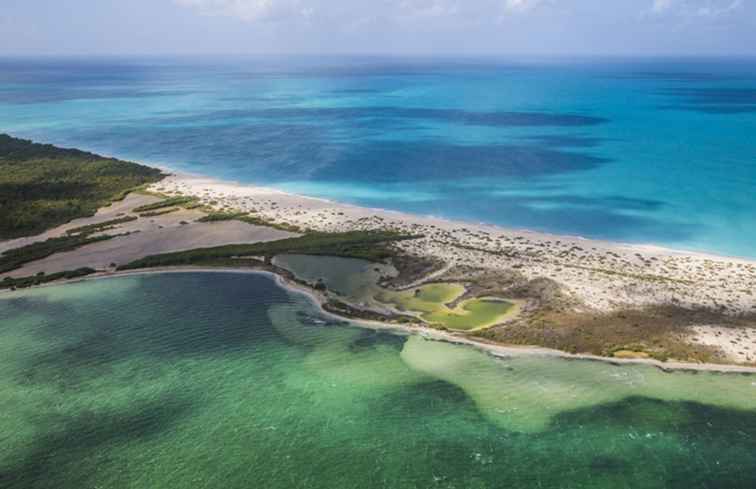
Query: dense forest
{"points": [[42, 186]]}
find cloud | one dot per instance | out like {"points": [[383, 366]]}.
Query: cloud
{"points": [[428, 8], [251, 10], [359, 10], [702, 9], [660, 6], [522, 5]]}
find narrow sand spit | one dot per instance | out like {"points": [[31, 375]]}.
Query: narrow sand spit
{"points": [[603, 275], [600, 276]]}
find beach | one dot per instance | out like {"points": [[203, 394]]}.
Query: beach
{"points": [[601, 274]]}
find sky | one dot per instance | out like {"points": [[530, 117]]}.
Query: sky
{"points": [[387, 27]]}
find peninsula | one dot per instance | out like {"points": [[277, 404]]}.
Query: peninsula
{"points": [[69, 214]]}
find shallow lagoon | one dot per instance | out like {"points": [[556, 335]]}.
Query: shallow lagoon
{"points": [[226, 380], [349, 277], [358, 282]]}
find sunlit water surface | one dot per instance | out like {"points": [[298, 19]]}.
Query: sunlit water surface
{"points": [[653, 151], [227, 380]]}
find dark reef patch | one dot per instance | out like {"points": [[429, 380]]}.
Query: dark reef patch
{"points": [[90, 347], [714, 100], [370, 339], [423, 161], [67, 457], [450, 116]]}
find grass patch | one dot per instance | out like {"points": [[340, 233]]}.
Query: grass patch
{"points": [[17, 257], [430, 302], [39, 279], [471, 315], [511, 253], [250, 219], [659, 332], [170, 202], [371, 246], [160, 212], [426, 299], [42, 186], [222, 217], [101, 226]]}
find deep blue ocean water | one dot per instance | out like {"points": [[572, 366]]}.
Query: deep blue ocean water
{"points": [[651, 151]]}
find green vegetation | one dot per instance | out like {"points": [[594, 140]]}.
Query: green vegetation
{"points": [[430, 303], [368, 245], [170, 202], [426, 299], [41, 278], [160, 212], [42, 186], [250, 219], [472, 314], [510, 252], [15, 258], [660, 332], [101, 226], [223, 216]]}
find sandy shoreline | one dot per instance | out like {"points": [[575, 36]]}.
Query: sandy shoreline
{"points": [[500, 351], [596, 277], [642, 247], [601, 274]]}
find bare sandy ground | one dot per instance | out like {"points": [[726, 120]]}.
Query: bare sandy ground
{"points": [[738, 344], [176, 231], [113, 211]]}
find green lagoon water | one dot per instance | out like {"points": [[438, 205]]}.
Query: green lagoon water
{"points": [[226, 380], [348, 277]]}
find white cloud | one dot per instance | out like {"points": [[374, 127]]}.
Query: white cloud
{"points": [[695, 8], [660, 6], [397, 10], [428, 8], [251, 10], [521, 5]]}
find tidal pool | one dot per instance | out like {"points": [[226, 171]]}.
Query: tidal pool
{"points": [[227, 380], [349, 277]]}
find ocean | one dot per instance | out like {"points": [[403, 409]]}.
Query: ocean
{"points": [[657, 151], [227, 380]]}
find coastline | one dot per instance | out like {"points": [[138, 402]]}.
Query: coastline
{"points": [[651, 247], [595, 276], [638, 246], [496, 350], [632, 246]]}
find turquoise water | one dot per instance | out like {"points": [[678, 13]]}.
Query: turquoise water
{"points": [[226, 380], [654, 151]]}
